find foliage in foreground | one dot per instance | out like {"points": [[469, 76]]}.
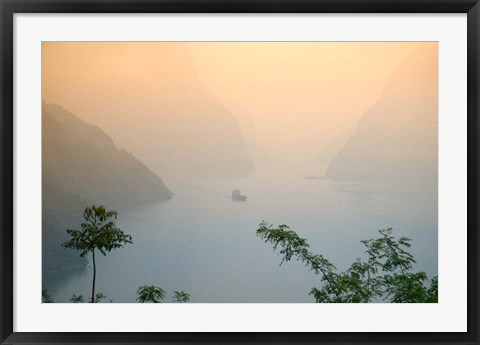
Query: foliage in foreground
{"points": [[80, 299], [155, 294], [150, 294], [386, 275], [97, 232], [180, 297], [46, 298], [77, 299], [145, 294]]}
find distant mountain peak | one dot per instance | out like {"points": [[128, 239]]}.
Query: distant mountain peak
{"points": [[397, 139]]}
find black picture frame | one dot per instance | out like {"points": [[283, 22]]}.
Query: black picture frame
{"points": [[9, 8]]}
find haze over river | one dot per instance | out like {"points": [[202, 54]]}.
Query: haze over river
{"points": [[203, 242]]}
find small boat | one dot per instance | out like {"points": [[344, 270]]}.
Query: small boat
{"points": [[237, 195]]}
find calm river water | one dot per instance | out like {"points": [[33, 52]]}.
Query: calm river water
{"points": [[204, 243]]}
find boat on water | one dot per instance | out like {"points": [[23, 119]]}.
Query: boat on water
{"points": [[237, 195]]}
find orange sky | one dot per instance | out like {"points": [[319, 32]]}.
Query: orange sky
{"points": [[290, 98]]}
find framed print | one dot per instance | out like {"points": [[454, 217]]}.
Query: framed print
{"points": [[239, 172]]}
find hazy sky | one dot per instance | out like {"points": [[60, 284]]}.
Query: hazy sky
{"points": [[291, 99]]}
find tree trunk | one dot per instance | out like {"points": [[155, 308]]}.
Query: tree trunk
{"points": [[94, 276]]}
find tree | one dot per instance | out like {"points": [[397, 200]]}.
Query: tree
{"points": [[97, 232], [150, 294], [385, 275], [181, 297]]}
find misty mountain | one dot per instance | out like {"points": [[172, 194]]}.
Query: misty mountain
{"points": [[82, 166], [323, 159], [151, 101], [334, 147], [396, 139]]}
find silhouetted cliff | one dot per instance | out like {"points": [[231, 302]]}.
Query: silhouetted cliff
{"points": [[150, 100], [81, 166]]}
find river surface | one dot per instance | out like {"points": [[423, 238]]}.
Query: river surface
{"points": [[204, 243]]}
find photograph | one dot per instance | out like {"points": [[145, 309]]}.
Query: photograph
{"points": [[239, 171]]}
